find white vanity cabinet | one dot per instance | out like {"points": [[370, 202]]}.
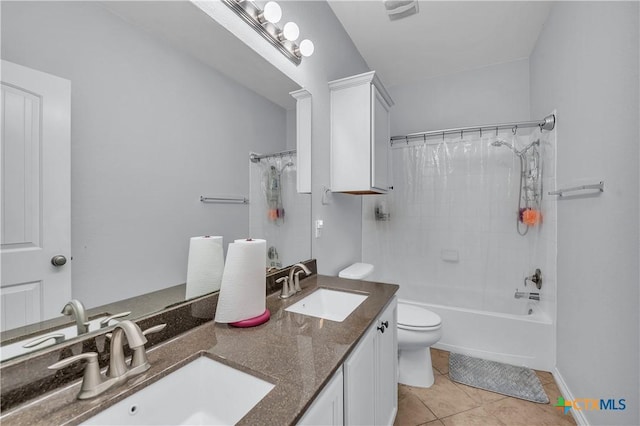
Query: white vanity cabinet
{"points": [[371, 374], [328, 407], [303, 140], [360, 134]]}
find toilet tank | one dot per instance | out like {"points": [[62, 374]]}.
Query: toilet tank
{"points": [[357, 271]]}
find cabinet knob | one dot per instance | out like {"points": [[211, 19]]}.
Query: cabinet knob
{"points": [[385, 324], [381, 329]]}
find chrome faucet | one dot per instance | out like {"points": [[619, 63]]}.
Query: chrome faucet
{"points": [[94, 383], [75, 308], [294, 277], [135, 338], [525, 295]]}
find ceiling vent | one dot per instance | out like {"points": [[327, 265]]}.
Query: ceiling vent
{"points": [[398, 9]]}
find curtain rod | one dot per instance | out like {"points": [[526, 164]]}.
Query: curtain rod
{"points": [[548, 123], [255, 158]]}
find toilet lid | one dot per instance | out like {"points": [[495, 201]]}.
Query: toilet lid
{"points": [[415, 316]]}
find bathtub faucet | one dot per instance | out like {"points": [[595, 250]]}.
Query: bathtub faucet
{"points": [[524, 294]]}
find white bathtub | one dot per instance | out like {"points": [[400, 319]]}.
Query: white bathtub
{"points": [[526, 340]]}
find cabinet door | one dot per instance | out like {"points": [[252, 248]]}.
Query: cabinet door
{"points": [[380, 146], [359, 383], [351, 138], [328, 407], [303, 140], [387, 366]]}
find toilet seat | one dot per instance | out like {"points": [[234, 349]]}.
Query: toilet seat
{"points": [[411, 317]]}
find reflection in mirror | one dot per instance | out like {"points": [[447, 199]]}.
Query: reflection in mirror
{"points": [[278, 213], [165, 106]]}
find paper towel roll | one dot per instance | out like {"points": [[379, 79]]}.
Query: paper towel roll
{"points": [[243, 292], [205, 266]]}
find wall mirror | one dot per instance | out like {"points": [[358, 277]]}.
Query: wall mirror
{"points": [[165, 108]]}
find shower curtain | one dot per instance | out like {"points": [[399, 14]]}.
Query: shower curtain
{"points": [[451, 238], [278, 213]]}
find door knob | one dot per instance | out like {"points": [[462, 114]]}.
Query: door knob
{"points": [[58, 260]]}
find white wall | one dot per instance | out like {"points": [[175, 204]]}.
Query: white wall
{"points": [[585, 64], [152, 130], [494, 94], [335, 57]]}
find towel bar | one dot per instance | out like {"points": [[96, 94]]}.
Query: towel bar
{"points": [[597, 186]]}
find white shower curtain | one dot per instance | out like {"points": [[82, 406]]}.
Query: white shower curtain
{"points": [[451, 238], [290, 236]]}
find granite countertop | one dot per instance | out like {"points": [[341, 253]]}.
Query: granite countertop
{"points": [[297, 353]]}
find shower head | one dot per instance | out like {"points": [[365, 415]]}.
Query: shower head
{"points": [[288, 164], [499, 142]]}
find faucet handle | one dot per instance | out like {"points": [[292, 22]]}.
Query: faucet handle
{"points": [[58, 337], [92, 377], [154, 329], [104, 323], [285, 293]]}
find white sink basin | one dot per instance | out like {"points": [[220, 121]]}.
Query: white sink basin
{"points": [[203, 392], [333, 305]]}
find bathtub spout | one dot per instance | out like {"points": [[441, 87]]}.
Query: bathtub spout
{"points": [[524, 294]]}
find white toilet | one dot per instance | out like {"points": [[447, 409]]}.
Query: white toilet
{"points": [[418, 330]]}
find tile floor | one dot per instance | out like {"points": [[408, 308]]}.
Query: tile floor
{"points": [[450, 404]]}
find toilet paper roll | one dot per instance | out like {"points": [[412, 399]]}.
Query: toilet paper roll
{"points": [[204, 266], [243, 293]]}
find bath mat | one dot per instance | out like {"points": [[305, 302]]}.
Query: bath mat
{"points": [[518, 382]]}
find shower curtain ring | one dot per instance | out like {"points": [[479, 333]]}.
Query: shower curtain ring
{"points": [[480, 132], [515, 129], [406, 139], [461, 132]]}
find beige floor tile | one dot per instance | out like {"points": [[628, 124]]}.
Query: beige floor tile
{"points": [[474, 417], [411, 410], [481, 396], [553, 393], [444, 398], [544, 376], [440, 360], [433, 423], [514, 412]]}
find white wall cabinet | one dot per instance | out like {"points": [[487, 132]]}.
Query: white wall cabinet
{"points": [[371, 372], [303, 140], [360, 148], [328, 407]]}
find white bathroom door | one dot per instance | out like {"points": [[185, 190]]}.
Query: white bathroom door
{"points": [[35, 195]]}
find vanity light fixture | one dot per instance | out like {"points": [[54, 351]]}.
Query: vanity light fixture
{"points": [[264, 22]]}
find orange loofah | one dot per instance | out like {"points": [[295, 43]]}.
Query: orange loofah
{"points": [[531, 217]]}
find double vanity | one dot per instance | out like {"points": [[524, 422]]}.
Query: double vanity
{"points": [[328, 355]]}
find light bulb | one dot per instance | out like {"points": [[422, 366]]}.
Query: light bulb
{"points": [[272, 12], [306, 47], [291, 31]]}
